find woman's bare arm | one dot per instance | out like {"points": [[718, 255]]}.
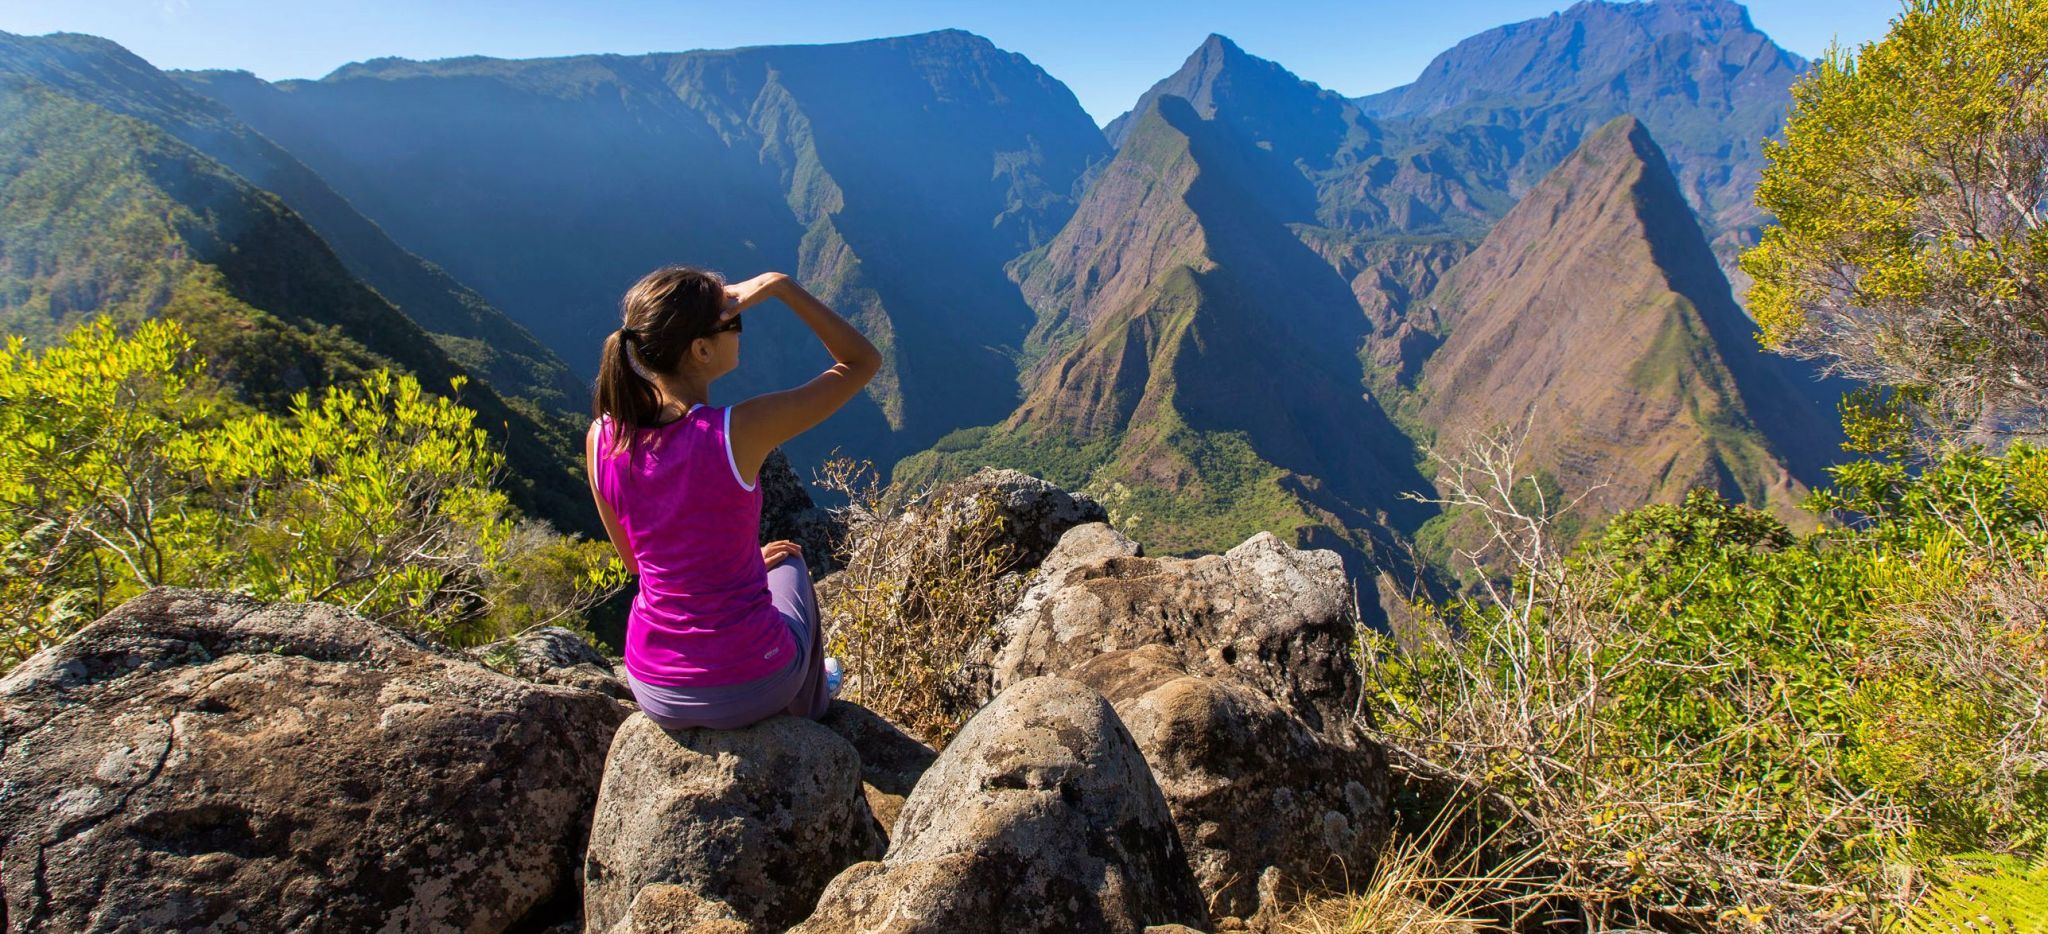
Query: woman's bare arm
{"points": [[604, 511], [762, 423]]}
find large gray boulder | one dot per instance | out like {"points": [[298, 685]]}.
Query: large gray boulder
{"points": [[200, 760], [754, 822], [1278, 619], [1266, 807], [1033, 514], [1041, 816], [1090, 543]]}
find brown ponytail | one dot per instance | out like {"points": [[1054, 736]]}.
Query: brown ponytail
{"points": [[664, 313]]}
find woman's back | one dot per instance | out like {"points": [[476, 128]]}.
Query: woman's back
{"points": [[703, 616]]}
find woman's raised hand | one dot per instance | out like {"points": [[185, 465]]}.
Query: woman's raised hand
{"points": [[740, 296], [775, 553]]}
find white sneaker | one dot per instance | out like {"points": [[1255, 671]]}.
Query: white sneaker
{"points": [[835, 675]]}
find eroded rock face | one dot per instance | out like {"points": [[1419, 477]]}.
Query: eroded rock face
{"points": [[1277, 619], [676, 909], [754, 822], [1041, 816], [975, 681], [554, 655], [1265, 806], [1034, 513], [197, 760]]}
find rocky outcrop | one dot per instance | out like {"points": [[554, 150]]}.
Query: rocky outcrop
{"points": [[1277, 619], [677, 909], [1092, 541], [1041, 816], [753, 822], [554, 655], [789, 514], [1235, 677], [1033, 513], [1266, 808], [196, 760]]}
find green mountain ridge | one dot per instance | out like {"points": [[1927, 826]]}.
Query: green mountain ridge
{"points": [[105, 214], [1160, 391], [1249, 314], [1593, 321], [461, 322]]}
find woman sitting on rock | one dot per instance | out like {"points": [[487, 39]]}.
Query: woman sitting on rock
{"points": [[723, 632]]}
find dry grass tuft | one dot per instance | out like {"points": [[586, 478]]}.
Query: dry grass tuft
{"points": [[919, 589], [1436, 881]]}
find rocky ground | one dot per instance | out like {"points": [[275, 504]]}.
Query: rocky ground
{"points": [[1164, 744]]}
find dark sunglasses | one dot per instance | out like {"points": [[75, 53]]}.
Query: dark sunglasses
{"points": [[732, 324]]}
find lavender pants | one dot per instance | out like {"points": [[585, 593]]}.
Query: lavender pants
{"points": [[798, 689]]}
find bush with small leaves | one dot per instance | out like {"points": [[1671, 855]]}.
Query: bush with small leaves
{"points": [[131, 469]]}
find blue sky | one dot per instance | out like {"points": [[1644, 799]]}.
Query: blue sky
{"points": [[1107, 51]]}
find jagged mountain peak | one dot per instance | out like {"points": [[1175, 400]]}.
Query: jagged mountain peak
{"points": [[1698, 73], [1218, 52], [1594, 314], [1617, 183], [1222, 80], [1624, 137], [1581, 48]]}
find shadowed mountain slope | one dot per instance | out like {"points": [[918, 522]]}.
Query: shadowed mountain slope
{"points": [[1260, 247], [1595, 317], [1358, 175], [465, 326], [894, 177], [104, 214], [1388, 212]]}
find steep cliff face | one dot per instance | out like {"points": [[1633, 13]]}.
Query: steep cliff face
{"points": [[1345, 170], [1196, 361], [895, 177], [461, 322], [1594, 318]]}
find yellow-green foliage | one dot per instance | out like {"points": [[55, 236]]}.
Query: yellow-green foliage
{"points": [[1909, 243], [128, 468], [1985, 893]]}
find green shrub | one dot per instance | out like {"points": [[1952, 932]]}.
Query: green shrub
{"points": [[130, 469], [1702, 715]]}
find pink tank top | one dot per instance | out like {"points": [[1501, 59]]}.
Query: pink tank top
{"points": [[702, 617]]}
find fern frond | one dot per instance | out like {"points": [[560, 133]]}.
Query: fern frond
{"points": [[1984, 893]]}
